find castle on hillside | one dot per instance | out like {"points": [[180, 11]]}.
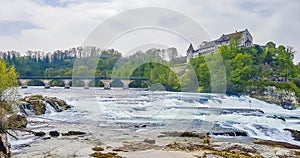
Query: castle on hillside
{"points": [[243, 39]]}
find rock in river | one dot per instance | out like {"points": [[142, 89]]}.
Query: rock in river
{"points": [[54, 133], [39, 134], [149, 141], [294, 133], [38, 104], [71, 133]]}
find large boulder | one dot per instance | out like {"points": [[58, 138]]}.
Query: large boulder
{"points": [[4, 146], [54, 133], [37, 104], [39, 134]]}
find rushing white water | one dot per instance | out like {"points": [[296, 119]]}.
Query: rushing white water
{"points": [[49, 108], [166, 111], [27, 109]]}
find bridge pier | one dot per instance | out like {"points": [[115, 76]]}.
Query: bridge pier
{"points": [[24, 83], [126, 83], [106, 83], [67, 84], [47, 83], [86, 83]]}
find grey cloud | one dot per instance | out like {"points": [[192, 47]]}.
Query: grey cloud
{"points": [[254, 7], [12, 28], [269, 20]]}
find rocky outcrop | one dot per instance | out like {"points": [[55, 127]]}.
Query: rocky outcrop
{"points": [[97, 148], [8, 122], [39, 134], [276, 144], [219, 149], [4, 147], [54, 133], [38, 105], [230, 133], [215, 132], [286, 99], [294, 133], [16, 121], [149, 141], [182, 134], [187, 147], [105, 155], [72, 133]]}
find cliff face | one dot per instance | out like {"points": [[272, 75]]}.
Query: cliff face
{"points": [[4, 145], [283, 98], [4, 149]]}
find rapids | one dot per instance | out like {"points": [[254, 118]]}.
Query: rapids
{"points": [[96, 110]]}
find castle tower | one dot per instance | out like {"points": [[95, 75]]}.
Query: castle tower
{"points": [[189, 53]]}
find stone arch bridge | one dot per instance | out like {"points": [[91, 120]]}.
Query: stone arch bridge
{"points": [[86, 80]]}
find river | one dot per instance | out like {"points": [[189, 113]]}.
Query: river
{"points": [[117, 115]]}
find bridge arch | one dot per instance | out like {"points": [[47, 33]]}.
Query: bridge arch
{"points": [[116, 83], [57, 82], [35, 82]]}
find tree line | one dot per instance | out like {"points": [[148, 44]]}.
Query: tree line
{"points": [[61, 63], [245, 68]]}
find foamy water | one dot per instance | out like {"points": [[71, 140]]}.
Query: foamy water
{"points": [[96, 109]]}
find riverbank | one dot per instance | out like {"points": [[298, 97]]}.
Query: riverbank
{"points": [[188, 147]]}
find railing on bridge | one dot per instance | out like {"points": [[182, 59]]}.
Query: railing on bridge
{"points": [[86, 80]]}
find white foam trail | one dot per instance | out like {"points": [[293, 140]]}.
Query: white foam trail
{"points": [[49, 108]]}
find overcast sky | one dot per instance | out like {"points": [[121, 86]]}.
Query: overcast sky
{"points": [[48, 25]]}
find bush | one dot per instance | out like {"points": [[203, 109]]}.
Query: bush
{"points": [[6, 107], [16, 121], [289, 86], [297, 82], [37, 96]]}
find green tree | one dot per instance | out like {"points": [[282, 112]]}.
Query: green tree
{"points": [[270, 45], [240, 73], [201, 69], [158, 74], [8, 79]]}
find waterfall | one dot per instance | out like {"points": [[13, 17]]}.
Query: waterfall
{"points": [[57, 107], [27, 109], [49, 108]]}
